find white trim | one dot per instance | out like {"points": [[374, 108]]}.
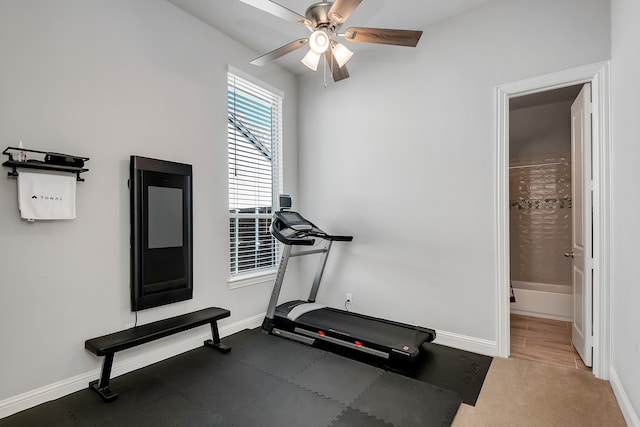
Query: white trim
{"points": [[467, 343], [44, 394], [502, 290], [238, 72], [121, 366], [598, 75], [250, 279], [624, 402]]}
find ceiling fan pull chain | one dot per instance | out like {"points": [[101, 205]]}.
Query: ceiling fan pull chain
{"points": [[324, 71]]}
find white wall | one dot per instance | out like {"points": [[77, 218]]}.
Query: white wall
{"points": [[405, 158], [625, 292], [540, 132], [107, 79]]}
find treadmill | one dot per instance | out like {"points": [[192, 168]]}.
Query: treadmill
{"points": [[312, 323]]}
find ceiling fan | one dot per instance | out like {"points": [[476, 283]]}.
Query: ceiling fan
{"points": [[324, 19]]}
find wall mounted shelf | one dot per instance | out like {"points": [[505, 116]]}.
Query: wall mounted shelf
{"points": [[31, 163]]}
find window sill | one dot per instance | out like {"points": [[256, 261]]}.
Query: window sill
{"points": [[250, 279]]}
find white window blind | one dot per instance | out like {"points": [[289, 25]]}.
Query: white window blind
{"points": [[254, 140]]}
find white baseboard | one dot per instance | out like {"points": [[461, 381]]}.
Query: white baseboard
{"points": [[629, 413], [45, 394], [464, 342], [70, 385]]}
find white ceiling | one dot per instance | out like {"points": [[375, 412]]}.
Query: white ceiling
{"points": [[263, 32]]}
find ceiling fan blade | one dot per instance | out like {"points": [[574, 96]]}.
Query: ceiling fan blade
{"points": [[383, 36], [338, 73], [277, 53], [341, 9], [278, 10]]}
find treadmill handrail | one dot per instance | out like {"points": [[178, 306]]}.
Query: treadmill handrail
{"points": [[340, 238], [290, 240], [290, 234]]}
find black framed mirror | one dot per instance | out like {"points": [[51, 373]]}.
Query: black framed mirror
{"points": [[161, 232]]}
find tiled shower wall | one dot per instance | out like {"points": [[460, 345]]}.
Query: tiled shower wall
{"points": [[540, 221]]}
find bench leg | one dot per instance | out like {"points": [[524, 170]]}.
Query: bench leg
{"points": [[101, 386], [215, 343]]}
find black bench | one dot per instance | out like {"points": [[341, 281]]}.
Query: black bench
{"points": [[107, 345]]}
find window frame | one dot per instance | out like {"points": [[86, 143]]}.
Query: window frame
{"points": [[259, 275]]}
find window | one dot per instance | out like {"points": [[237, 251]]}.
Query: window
{"points": [[254, 141]]}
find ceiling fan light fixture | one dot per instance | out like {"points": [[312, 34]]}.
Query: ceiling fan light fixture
{"points": [[323, 20], [341, 54], [319, 41], [311, 60]]}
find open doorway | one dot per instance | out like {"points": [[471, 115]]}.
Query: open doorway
{"points": [[540, 227], [597, 76]]}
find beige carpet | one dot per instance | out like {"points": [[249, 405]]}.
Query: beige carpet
{"points": [[524, 393]]}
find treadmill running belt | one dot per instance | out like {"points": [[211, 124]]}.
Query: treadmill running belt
{"points": [[388, 334]]}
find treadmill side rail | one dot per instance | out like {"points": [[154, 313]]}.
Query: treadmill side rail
{"points": [[293, 336], [343, 343]]}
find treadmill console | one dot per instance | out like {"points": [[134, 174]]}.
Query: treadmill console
{"points": [[291, 228], [295, 221]]}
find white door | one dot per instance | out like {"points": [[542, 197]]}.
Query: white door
{"points": [[582, 198]]}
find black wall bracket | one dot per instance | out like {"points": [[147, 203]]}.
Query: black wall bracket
{"points": [[20, 158]]}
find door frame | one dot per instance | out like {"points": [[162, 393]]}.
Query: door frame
{"points": [[598, 75]]}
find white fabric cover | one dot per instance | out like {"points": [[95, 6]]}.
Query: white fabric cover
{"points": [[46, 196]]}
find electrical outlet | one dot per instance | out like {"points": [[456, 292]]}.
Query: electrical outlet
{"points": [[349, 298]]}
